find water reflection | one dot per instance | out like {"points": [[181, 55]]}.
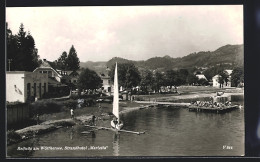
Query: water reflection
{"points": [[71, 134], [19, 149], [116, 137]]}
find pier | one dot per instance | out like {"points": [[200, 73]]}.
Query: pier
{"points": [[165, 104], [106, 128], [213, 109]]}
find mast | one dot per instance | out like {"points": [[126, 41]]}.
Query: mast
{"points": [[116, 95]]}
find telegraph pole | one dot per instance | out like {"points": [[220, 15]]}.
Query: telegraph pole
{"points": [[9, 62]]}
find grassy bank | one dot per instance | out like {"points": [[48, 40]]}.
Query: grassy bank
{"points": [[53, 121]]}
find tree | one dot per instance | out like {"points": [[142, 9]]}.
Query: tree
{"points": [[32, 53], [21, 50], [128, 75], [11, 48], [203, 81], [159, 81], [182, 75], [223, 78], [62, 61], [89, 79], [237, 76], [170, 78], [147, 80], [211, 72], [192, 79], [73, 60]]}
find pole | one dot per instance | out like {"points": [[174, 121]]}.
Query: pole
{"points": [[9, 62]]}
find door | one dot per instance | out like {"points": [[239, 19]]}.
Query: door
{"points": [[28, 91]]}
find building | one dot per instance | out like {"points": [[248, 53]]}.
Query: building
{"points": [[106, 84], [74, 76], [23, 86], [201, 76], [58, 80], [46, 68], [215, 79]]}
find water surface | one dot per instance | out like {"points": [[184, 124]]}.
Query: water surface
{"points": [[169, 132]]}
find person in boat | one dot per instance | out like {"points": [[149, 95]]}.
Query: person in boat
{"points": [[115, 121], [229, 103]]}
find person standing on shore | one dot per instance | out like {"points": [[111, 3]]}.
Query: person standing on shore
{"points": [[37, 119], [93, 119], [72, 113]]}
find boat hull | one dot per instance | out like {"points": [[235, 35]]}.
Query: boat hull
{"points": [[117, 126]]}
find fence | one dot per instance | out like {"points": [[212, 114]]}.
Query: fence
{"points": [[17, 113]]}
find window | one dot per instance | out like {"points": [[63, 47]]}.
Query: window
{"points": [[28, 90], [50, 73], [34, 89], [40, 90], [44, 88]]}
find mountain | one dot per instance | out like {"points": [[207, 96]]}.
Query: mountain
{"points": [[99, 67], [229, 54]]}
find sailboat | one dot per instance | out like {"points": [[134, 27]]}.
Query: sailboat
{"points": [[116, 123]]}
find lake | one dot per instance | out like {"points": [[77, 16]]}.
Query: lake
{"points": [[169, 132]]}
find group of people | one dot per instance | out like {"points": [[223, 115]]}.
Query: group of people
{"points": [[210, 104]]}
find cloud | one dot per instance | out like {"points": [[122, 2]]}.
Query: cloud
{"points": [[132, 32]]}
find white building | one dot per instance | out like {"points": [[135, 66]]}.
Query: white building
{"points": [[215, 79], [45, 68], [22, 85], [106, 84], [201, 76]]}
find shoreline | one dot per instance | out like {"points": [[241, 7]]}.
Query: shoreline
{"points": [[51, 125]]}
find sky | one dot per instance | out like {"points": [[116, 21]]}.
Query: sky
{"points": [[100, 33]]}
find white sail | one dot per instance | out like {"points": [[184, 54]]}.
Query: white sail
{"points": [[116, 95]]}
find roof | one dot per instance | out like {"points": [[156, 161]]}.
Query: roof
{"points": [[105, 77], [46, 65], [229, 72], [69, 72], [17, 72], [216, 76], [201, 76]]}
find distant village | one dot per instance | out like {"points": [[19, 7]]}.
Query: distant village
{"points": [[26, 86]]}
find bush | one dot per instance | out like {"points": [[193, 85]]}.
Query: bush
{"points": [[84, 96], [71, 104], [45, 107], [12, 137], [90, 102], [138, 98]]}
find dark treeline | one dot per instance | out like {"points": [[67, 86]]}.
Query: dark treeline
{"points": [[152, 80], [68, 61], [130, 76], [22, 55]]}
